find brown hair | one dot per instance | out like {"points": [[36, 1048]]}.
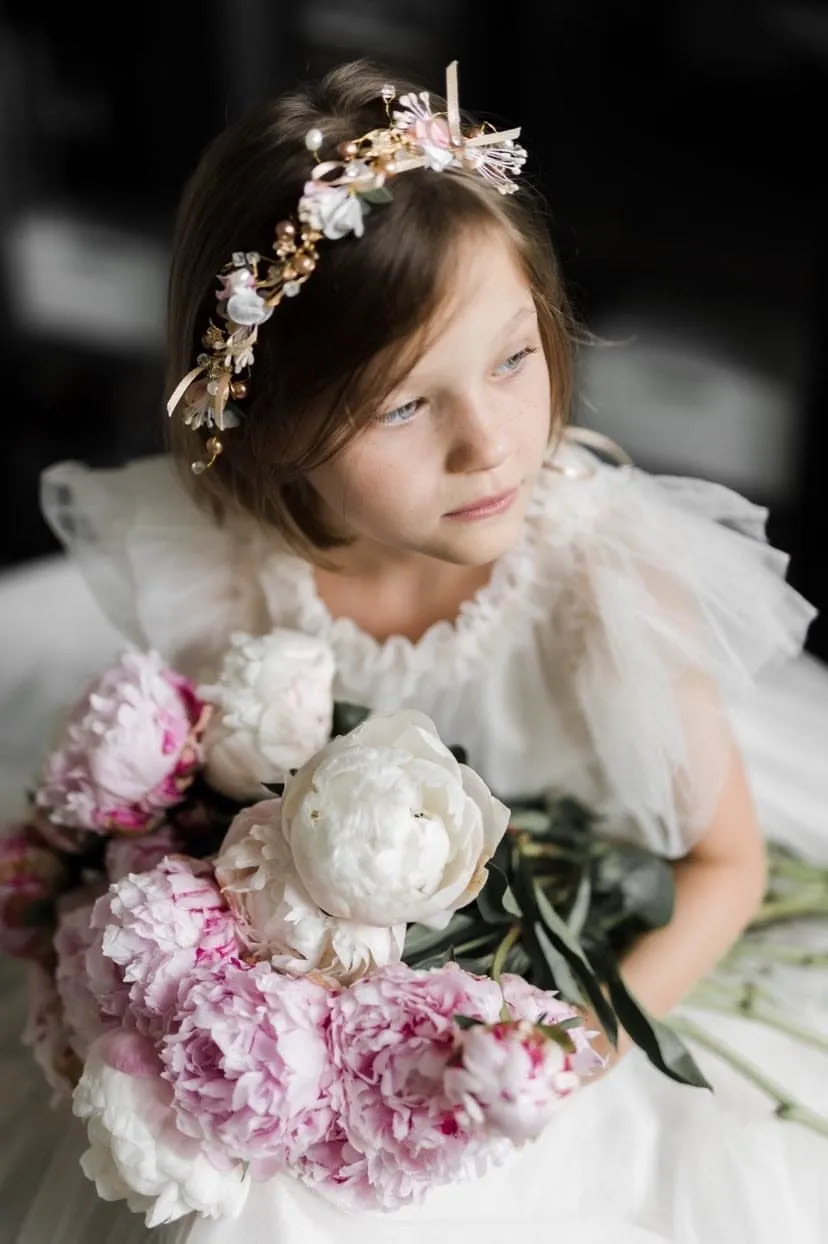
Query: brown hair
{"points": [[328, 358]]}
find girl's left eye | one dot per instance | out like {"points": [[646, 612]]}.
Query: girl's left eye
{"points": [[514, 362]]}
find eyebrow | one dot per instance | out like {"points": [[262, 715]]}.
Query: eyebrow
{"points": [[520, 314]]}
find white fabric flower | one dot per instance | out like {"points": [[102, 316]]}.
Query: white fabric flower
{"points": [[274, 697], [333, 210], [386, 827], [138, 1155], [247, 307], [276, 917]]}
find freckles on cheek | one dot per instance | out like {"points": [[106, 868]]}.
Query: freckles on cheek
{"points": [[384, 488]]}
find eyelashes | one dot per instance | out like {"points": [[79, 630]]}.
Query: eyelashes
{"points": [[404, 414]]}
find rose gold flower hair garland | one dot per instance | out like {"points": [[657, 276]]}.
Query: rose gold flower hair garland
{"points": [[334, 203]]}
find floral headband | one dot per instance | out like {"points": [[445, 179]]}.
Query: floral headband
{"points": [[334, 203]]}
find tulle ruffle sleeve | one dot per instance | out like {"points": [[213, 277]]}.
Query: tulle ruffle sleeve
{"points": [[162, 571], [672, 602]]}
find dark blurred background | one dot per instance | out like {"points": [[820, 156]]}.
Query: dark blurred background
{"points": [[678, 144]]}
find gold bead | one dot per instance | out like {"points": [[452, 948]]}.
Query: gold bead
{"points": [[304, 264], [238, 389], [285, 229], [348, 150]]}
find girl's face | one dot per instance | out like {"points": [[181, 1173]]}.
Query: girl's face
{"points": [[447, 466]]}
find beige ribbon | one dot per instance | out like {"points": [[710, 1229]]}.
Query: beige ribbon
{"points": [[182, 387]]}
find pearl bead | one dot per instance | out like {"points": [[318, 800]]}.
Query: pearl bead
{"points": [[348, 150], [314, 139], [291, 288], [388, 92]]}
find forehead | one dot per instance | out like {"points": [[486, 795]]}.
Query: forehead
{"points": [[486, 294]]}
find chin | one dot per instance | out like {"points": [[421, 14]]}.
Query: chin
{"points": [[484, 542]]}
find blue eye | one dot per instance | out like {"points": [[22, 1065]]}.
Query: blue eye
{"points": [[514, 361], [402, 414]]}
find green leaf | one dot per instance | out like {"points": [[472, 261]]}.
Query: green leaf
{"points": [[570, 821], [567, 945], [381, 195], [661, 1044], [556, 1033], [422, 942], [496, 902], [533, 820], [580, 908], [465, 1021], [544, 929], [641, 880], [346, 717]]}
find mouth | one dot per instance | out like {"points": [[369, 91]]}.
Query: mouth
{"points": [[486, 507]]}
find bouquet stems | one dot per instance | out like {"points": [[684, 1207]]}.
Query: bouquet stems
{"points": [[786, 1106], [742, 1001]]}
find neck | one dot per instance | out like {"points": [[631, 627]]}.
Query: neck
{"points": [[398, 595]]}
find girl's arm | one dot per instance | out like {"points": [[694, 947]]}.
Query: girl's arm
{"points": [[719, 885]]}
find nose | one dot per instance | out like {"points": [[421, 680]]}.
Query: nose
{"points": [[479, 436]]}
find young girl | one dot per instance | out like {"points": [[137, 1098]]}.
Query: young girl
{"points": [[368, 443]]}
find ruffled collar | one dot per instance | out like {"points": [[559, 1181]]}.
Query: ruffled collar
{"points": [[391, 670]]}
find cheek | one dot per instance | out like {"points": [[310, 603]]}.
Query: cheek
{"points": [[373, 484]]}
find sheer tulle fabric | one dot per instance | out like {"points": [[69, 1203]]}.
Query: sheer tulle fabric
{"points": [[602, 657], [599, 659]]}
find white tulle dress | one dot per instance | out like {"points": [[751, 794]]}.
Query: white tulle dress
{"points": [[606, 657]]}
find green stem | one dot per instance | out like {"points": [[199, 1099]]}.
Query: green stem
{"points": [[473, 944], [548, 851], [794, 956], [787, 1107], [767, 1018], [797, 870], [810, 903], [503, 950]]}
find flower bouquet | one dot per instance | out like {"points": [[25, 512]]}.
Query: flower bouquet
{"points": [[272, 934]]}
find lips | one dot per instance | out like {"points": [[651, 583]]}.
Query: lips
{"points": [[486, 505]]}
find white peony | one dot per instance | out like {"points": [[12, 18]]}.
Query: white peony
{"points": [[274, 697], [138, 1155], [276, 917], [386, 827]]}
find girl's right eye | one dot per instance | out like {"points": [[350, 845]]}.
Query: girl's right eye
{"points": [[401, 414]]}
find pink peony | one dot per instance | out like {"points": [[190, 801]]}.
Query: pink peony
{"points": [[158, 927], [337, 1171], [91, 987], [138, 855], [249, 1065], [129, 749], [510, 1078], [540, 1006], [31, 875], [48, 1036], [393, 1034]]}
